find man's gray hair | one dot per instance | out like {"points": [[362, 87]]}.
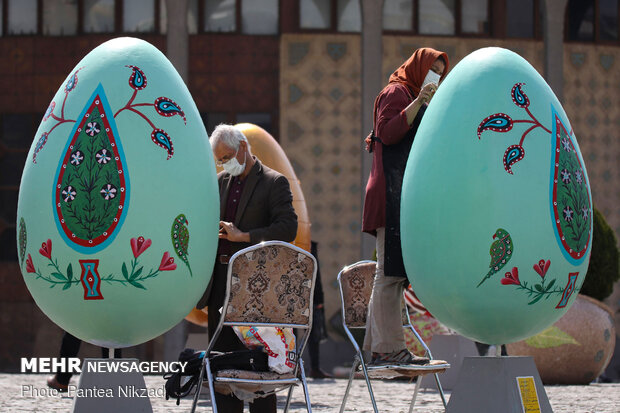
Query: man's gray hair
{"points": [[228, 135]]}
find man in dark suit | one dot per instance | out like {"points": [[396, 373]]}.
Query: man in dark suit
{"points": [[256, 204]]}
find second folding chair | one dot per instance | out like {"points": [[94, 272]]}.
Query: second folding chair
{"points": [[356, 282]]}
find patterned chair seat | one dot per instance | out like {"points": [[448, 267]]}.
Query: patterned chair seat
{"points": [[248, 391], [253, 375], [399, 371]]}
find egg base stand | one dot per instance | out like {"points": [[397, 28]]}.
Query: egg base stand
{"points": [[452, 348], [103, 388], [499, 384]]}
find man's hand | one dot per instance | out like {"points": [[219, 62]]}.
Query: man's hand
{"points": [[229, 231]]}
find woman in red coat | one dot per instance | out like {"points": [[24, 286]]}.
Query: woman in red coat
{"points": [[398, 111]]}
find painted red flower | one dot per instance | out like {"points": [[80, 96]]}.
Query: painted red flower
{"points": [[139, 245], [167, 263], [29, 264], [511, 277], [46, 249], [542, 267]]}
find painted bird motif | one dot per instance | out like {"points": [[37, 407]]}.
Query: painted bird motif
{"points": [[180, 239], [500, 251]]}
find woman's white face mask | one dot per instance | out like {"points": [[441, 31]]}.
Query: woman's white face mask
{"points": [[233, 166], [431, 77]]}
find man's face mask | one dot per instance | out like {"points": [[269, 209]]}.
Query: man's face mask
{"points": [[233, 166]]}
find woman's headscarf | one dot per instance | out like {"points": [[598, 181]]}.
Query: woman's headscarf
{"points": [[414, 70]]}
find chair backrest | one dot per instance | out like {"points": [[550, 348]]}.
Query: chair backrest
{"points": [[356, 281], [271, 283]]}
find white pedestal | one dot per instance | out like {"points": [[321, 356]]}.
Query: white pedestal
{"points": [[103, 391], [499, 384]]}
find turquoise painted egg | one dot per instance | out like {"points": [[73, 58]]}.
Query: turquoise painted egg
{"points": [[118, 205], [496, 209]]}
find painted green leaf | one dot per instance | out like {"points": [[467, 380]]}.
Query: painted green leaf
{"points": [[551, 337], [67, 285], [70, 272], [23, 240], [124, 270], [59, 276], [137, 273], [137, 284], [536, 299]]}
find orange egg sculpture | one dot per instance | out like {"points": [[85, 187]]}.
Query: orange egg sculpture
{"points": [[270, 153]]}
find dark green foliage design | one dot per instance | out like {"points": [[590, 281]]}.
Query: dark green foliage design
{"points": [[23, 240], [572, 196], [91, 183]]}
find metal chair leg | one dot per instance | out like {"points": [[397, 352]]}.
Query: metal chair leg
{"points": [[372, 395], [289, 394], [198, 386], [305, 385], [211, 385], [356, 363], [440, 388], [415, 392]]}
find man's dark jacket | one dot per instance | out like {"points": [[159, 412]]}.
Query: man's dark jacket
{"points": [[265, 211], [266, 206]]}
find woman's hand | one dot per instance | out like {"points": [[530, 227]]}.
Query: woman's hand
{"points": [[425, 96]]}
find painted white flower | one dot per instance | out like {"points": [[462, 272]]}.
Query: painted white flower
{"points": [[76, 158], [92, 128], [566, 144], [108, 192], [103, 156], [565, 176], [578, 177], [68, 193]]}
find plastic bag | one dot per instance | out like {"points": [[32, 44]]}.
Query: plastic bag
{"points": [[278, 343]]}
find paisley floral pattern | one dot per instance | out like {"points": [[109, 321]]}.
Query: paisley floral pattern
{"points": [[356, 282], [271, 284], [168, 107], [137, 80]]}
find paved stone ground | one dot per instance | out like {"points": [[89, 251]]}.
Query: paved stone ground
{"points": [[326, 396]]}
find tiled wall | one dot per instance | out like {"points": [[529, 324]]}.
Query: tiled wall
{"points": [[320, 130], [592, 102]]}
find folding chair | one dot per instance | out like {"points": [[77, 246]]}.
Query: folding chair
{"points": [[272, 285], [356, 283]]}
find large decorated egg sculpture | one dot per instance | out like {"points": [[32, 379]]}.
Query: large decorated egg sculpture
{"points": [[118, 205], [496, 209]]}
